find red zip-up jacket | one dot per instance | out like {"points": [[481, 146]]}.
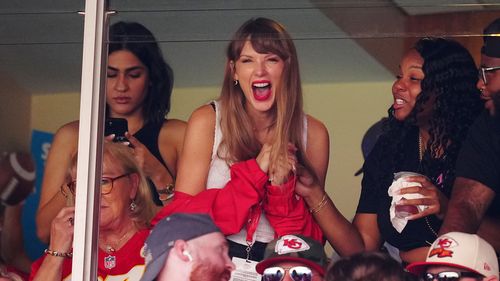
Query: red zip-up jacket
{"points": [[231, 207]]}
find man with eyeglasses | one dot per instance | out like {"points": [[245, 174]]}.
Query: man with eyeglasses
{"points": [[489, 70], [293, 258], [474, 205], [458, 256]]}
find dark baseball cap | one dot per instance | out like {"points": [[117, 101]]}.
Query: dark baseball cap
{"points": [[491, 46], [296, 248], [178, 226], [370, 139]]}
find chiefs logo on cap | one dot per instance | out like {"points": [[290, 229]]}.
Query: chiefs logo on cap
{"points": [[442, 246], [290, 244]]}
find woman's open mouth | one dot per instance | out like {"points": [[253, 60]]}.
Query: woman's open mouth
{"points": [[261, 90]]}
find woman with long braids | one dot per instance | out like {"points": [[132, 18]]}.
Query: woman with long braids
{"points": [[435, 102]]}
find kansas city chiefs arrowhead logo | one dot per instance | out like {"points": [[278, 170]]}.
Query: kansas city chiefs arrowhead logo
{"points": [[442, 247], [290, 244]]}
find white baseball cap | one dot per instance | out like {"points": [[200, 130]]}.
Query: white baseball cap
{"points": [[460, 250]]}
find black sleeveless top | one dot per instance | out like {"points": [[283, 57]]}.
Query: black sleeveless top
{"points": [[148, 136]]}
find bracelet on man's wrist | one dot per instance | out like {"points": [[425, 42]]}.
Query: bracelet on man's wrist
{"points": [[167, 192], [58, 254]]}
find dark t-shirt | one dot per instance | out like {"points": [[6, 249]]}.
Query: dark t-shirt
{"points": [[479, 158], [378, 175]]}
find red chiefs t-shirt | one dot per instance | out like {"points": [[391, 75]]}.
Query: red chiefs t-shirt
{"points": [[127, 264]]}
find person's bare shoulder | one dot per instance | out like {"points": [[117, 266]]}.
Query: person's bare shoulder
{"points": [[318, 147], [316, 130], [67, 135], [201, 124], [69, 128], [175, 124], [195, 161], [204, 114], [174, 129]]}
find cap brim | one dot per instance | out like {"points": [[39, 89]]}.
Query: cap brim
{"points": [[418, 268], [270, 261], [154, 268], [359, 172]]}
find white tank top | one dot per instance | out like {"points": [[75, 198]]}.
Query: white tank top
{"points": [[219, 175]]}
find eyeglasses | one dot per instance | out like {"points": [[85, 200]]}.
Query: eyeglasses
{"points": [[482, 71], [106, 184], [297, 273], [449, 276]]}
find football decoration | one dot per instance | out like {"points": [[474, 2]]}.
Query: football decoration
{"points": [[17, 177]]}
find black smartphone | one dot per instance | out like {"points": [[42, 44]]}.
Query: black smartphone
{"points": [[117, 126]]}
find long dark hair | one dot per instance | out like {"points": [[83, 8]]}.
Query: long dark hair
{"points": [[450, 80], [137, 39]]}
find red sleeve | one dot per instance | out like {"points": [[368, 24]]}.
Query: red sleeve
{"points": [[230, 206], [65, 270], [288, 213]]}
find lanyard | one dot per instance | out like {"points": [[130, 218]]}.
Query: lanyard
{"points": [[252, 224]]}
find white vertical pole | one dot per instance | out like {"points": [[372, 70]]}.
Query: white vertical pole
{"points": [[90, 139]]}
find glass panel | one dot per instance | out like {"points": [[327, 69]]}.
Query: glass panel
{"points": [[40, 70], [349, 52]]}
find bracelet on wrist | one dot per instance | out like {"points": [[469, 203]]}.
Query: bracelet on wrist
{"points": [[320, 205], [167, 192], [58, 254]]}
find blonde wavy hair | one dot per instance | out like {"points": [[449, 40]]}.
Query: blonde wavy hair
{"points": [[239, 141], [122, 155]]}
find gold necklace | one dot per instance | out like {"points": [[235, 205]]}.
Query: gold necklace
{"points": [[110, 249]]}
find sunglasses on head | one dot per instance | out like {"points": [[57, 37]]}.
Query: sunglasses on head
{"points": [[449, 276], [297, 273]]}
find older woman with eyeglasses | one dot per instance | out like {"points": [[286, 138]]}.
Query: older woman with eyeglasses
{"points": [[126, 210]]}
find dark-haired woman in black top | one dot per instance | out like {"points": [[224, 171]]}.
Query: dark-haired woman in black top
{"points": [[139, 85], [435, 102]]}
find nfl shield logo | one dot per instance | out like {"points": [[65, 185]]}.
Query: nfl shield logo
{"points": [[110, 262]]}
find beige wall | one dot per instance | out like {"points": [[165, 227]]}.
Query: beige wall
{"points": [[51, 111], [15, 114], [347, 110]]}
